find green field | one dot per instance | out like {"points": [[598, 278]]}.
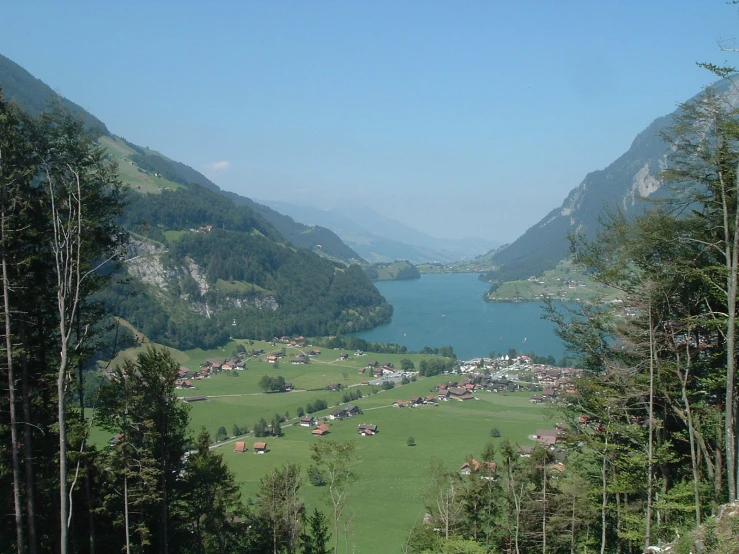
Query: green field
{"points": [[566, 282], [386, 498]]}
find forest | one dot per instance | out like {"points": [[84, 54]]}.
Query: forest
{"points": [[247, 266]]}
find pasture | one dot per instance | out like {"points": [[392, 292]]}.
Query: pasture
{"points": [[386, 498]]}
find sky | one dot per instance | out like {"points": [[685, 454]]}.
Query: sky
{"points": [[459, 118]]}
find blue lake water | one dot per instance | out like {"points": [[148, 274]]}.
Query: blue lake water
{"points": [[440, 310]]}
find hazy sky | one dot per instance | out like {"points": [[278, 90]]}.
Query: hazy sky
{"points": [[461, 118]]}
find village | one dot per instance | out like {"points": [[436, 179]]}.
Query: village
{"points": [[466, 383]]}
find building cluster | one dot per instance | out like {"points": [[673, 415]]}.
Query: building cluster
{"points": [[378, 369], [554, 382], [186, 376], [475, 382], [319, 428]]}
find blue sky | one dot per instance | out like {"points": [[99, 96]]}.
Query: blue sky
{"points": [[460, 118]]}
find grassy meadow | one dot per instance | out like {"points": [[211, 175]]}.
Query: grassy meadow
{"points": [[392, 475]]}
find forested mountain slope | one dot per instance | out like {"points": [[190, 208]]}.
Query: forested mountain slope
{"points": [[209, 269], [205, 264]]}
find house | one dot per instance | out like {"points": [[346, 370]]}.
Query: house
{"points": [[344, 357], [361, 370], [387, 370], [416, 400], [299, 359], [307, 421], [351, 410], [366, 429], [473, 466], [314, 352], [260, 447], [186, 385], [321, 430], [430, 399], [547, 437], [338, 413], [525, 451], [240, 447], [400, 404], [271, 358], [372, 363], [334, 386], [288, 386], [536, 399]]}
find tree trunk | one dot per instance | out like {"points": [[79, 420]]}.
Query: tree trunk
{"points": [[650, 446], [28, 453], [17, 500], [604, 501]]}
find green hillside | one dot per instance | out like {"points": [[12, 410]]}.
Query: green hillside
{"points": [[204, 263]]}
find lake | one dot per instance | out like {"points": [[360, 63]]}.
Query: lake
{"points": [[440, 310]]}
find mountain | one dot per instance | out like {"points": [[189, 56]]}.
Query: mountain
{"points": [[381, 239], [35, 96], [623, 185], [205, 263]]}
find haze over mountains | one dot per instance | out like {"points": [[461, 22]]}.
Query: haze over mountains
{"points": [[381, 239]]}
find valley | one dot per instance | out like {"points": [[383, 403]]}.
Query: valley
{"points": [[392, 476]]}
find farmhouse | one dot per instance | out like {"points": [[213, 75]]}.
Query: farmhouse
{"points": [[240, 447], [338, 413], [260, 447], [321, 430], [366, 429], [547, 437], [307, 421]]}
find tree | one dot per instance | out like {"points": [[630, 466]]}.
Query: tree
{"points": [[336, 460], [443, 499], [221, 434], [703, 166], [83, 194], [316, 542], [488, 452], [406, 364], [281, 508], [212, 497], [140, 405]]}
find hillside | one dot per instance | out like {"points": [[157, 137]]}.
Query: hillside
{"points": [[35, 96], [621, 185], [205, 264]]}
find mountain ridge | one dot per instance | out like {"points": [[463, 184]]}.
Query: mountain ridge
{"points": [[623, 184]]}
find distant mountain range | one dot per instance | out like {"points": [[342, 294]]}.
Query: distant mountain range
{"points": [[378, 238], [632, 176]]}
